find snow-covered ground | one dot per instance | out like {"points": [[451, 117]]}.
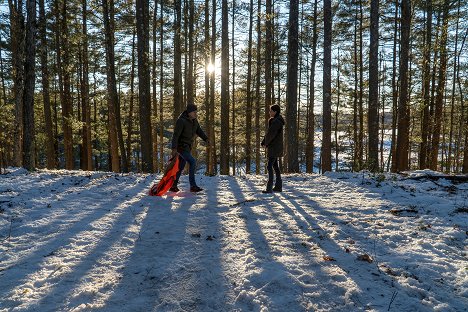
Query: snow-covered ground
{"points": [[94, 241]]}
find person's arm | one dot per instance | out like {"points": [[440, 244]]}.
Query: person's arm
{"points": [[177, 131], [200, 133], [272, 132]]}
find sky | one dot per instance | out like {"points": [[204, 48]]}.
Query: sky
{"points": [[95, 241]]}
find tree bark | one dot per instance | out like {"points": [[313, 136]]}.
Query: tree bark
{"points": [[17, 56], [450, 167], [214, 161], [43, 50], [112, 97], [131, 105], [190, 76], [392, 157], [154, 87], [403, 108], [86, 109], [373, 114], [248, 113], [440, 89], [291, 89], [65, 100], [327, 41], [233, 103], [207, 83], [224, 144], [178, 101], [311, 116], [257, 89], [426, 87], [29, 161], [142, 19]]}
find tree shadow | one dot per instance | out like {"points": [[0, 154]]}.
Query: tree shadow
{"points": [[50, 255]]}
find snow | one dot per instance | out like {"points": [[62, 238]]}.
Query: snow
{"points": [[94, 241]]}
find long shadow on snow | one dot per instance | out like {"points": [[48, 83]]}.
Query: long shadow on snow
{"points": [[315, 267], [181, 271], [64, 288], [280, 299], [346, 261], [16, 277], [413, 260]]}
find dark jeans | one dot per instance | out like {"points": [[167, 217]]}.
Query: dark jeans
{"points": [[185, 157], [273, 165]]}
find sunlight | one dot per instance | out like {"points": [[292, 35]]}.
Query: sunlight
{"points": [[211, 68]]}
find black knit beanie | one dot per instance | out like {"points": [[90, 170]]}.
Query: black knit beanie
{"points": [[191, 108]]}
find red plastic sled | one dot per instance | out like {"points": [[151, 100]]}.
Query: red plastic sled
{"points": [[170, 172]]}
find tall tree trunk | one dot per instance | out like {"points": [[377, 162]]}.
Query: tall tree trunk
{"points": [[450, 167], [403, 110], [207, 83], [224, 144], [29, 161], [291, 91], [86, 109], [311, 117], [268, 61], [131, 105], [112, 97], [392, 157], [248, 114], [233, 109], [17, 57], [3, 141], [43, 51], [257, 90], [426, 87], [154, 86], [327, 41], [67, 107], [355, 97], [433, 88], [360, 155], [213, 162], [373, 114], [440, 89], [178, 101], [190, 76], [142, 19], [463, 128], [161, 86], [337, 122]]}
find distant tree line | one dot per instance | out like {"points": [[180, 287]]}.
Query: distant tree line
{"points": [[98, 84]]}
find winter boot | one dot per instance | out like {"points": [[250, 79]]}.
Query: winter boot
{"points": [[195, 189], [174, 188], [278, 186]]}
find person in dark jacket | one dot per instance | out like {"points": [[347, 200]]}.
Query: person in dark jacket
{"points": [[273, 141], [186, 128]]}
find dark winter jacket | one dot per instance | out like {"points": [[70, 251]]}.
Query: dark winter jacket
{"points": [[185, 131], [274, 137]]}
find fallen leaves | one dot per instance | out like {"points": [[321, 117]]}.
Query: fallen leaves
{"points": [[365, 257]]}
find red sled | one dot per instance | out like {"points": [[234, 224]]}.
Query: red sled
{"points": [[170, 173]]}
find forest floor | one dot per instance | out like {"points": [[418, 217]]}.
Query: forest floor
{"points": [[95, 241]]}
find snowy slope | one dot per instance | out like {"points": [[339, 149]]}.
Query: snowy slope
{"points": [[94, 241]]}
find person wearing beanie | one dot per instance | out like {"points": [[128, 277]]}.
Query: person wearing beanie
{"points": [[273, 142], [186, 128]]}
